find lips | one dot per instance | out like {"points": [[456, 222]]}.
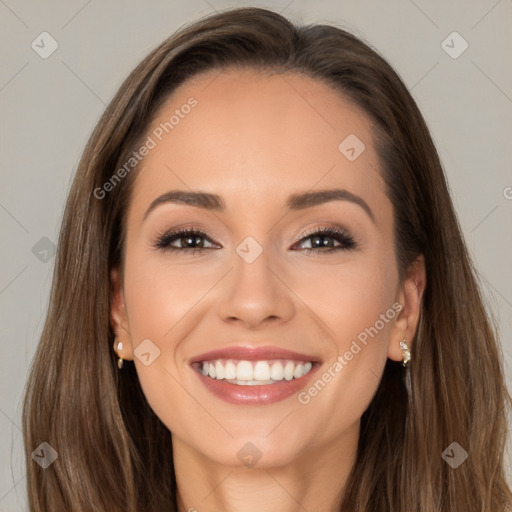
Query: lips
{"points": [[254, 376], [241, 353]]}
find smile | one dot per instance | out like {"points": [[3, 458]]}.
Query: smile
{"points": [[254, 373], [254, 376]]}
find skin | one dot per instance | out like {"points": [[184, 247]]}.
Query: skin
{"points": [[255, 139]]}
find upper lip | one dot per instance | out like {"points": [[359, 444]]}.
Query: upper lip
{"points": [[246, 353]]}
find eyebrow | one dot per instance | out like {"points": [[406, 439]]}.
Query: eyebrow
{"points": [[295, 202]]}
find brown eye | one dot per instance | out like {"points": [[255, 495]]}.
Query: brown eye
{"points": [[188, 239], [324, 239]]}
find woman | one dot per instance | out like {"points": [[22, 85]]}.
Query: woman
{"points": [[262, 297]]}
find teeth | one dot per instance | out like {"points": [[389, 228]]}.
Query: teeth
{"points": [[262, 371], [252, 373], [229, 370], [244, 371], [277, 371], [298, 372], [219, 370], [288, 370]]}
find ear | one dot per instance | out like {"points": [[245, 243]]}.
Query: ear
{"points": [[409, 296], [118, 316]]}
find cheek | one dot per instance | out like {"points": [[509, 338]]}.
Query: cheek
{"points": [[158, 299], [160, 294], [349, 297], [165, 299], [355, 304], [358, 308]]}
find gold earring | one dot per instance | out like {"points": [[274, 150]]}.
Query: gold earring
{"points": [[117, 347], [405, 352]]}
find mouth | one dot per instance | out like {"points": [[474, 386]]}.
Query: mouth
{"points": [[254, 376], [253, 373]]}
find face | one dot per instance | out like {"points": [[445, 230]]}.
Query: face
{"points": [[269, 317]]}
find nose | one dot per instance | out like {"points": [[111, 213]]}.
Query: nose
{"points": [[256, 293]]}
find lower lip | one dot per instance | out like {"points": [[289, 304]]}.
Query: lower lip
{"points": [[255, 395]]}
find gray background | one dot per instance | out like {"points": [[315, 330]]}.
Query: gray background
{"points": [[49, 107]]}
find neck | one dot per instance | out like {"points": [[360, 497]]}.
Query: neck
{"points": [[313, 480]]}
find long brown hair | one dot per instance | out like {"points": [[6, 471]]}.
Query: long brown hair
{"points": [[115, 454]]}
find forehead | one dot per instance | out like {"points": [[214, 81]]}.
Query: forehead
{"points": [[259, 135]]}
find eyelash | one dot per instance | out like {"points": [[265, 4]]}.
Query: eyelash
{"points": [[347, 241]]}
